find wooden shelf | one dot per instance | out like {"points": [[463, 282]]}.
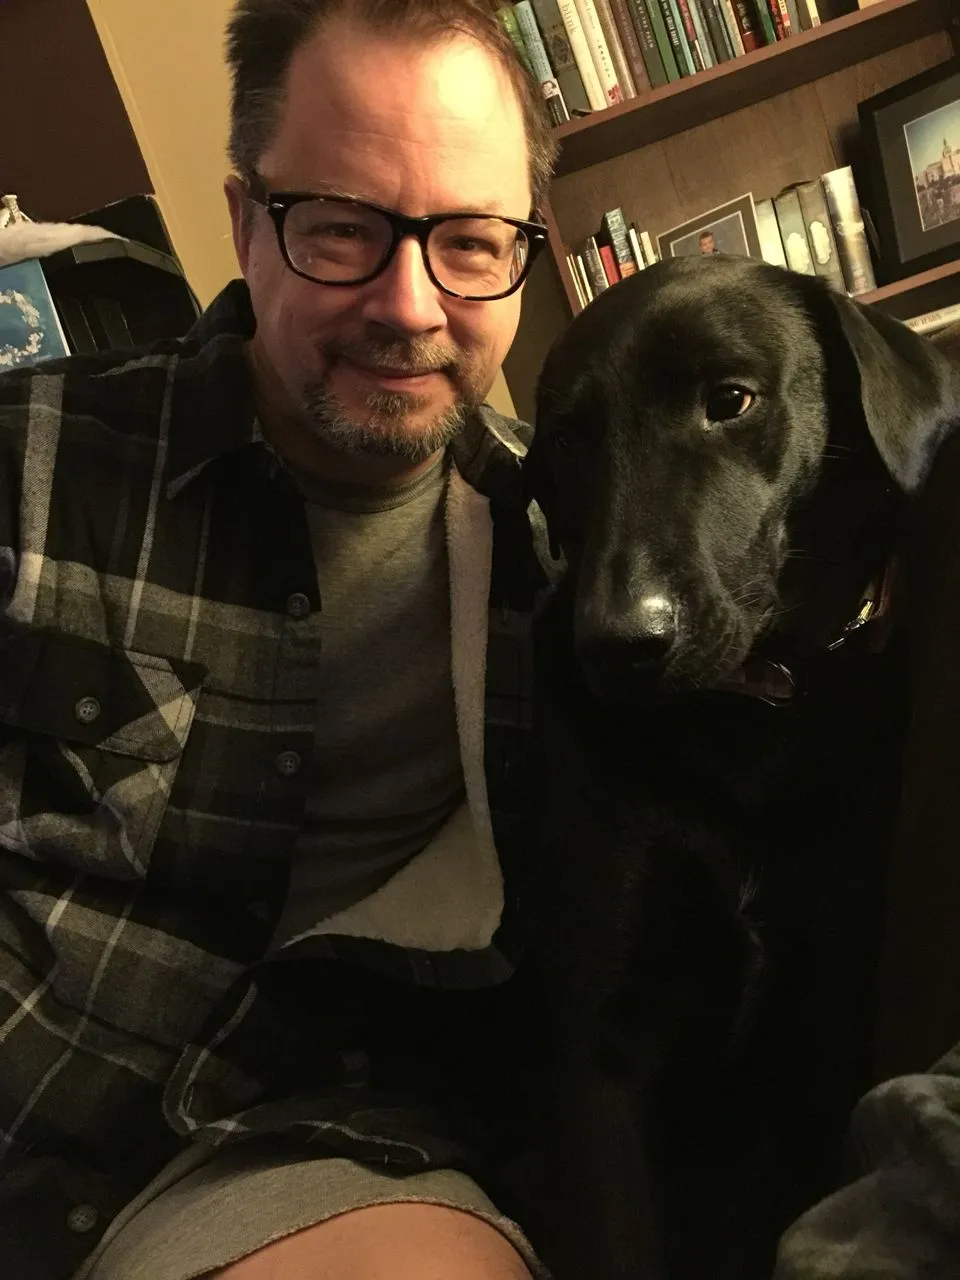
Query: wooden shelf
{"points": [[912, 283], [749, 79]]}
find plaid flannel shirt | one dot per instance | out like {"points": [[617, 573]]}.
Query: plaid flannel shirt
{"points": [[160, 635]]}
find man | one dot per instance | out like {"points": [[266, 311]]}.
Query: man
{"points": [[258, 892]]}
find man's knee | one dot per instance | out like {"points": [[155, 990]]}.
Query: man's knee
{"points": [[388, 1242]]}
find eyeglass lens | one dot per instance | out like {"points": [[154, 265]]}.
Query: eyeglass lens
{"points": [[336, 243]]}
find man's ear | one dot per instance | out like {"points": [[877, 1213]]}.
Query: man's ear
{"points": [[909, 389], [241, 217]]}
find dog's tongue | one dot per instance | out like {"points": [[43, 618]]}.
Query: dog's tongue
{"points": [[759, 678]]}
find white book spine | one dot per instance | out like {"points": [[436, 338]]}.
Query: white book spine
{"points": [[600, 52], [649, 252], [637, 248], [853, 249], [581, 54], [931, 321]]}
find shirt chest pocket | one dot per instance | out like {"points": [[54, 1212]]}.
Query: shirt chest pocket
{"points": [[90, 742]]}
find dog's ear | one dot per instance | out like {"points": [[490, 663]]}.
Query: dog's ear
{"points": [[540, 486], [909, 389]]}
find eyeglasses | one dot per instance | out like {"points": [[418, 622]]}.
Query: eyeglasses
{"points": [[333, 240]]}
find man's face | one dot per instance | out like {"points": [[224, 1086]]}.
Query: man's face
{"points": [[387, 367]]}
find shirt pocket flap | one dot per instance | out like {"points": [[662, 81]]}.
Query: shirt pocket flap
{"points": [[80, 691]]}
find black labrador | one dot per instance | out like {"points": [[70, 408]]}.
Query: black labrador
{"points": [[723, 455]]}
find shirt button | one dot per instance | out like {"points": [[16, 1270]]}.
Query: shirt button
{"points": [[298, 606], [87, 710], [288, 764], [82, 1219]]}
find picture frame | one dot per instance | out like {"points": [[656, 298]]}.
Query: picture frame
{"points": [[30, 329], [911, 148], [729, 228]]}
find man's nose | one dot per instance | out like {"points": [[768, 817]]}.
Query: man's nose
{"points": [[403, 297]]}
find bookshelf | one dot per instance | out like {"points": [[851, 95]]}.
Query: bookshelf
{"points": [[772, 117]]}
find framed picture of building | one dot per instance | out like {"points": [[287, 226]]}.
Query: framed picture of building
{"points": [[911, 137]]}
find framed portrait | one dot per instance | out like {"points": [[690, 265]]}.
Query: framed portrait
{"points": [[911, 136], [730, 228]]}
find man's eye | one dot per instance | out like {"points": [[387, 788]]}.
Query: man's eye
{"points": [[728, 402]]}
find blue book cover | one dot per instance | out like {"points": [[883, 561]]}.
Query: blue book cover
{"points": [[29, 325]]}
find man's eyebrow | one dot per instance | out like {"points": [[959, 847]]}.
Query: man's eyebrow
{"points": [[493, 207]]}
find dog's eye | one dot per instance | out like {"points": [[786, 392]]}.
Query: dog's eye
{"points": [[728, 402]]}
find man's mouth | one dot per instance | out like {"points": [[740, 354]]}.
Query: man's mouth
{"points": [[394, 376]]}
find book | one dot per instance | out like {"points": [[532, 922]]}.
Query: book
{"points": [[678, 40], [761, 10], [613, 231], [621, 63], [570, 16], [582, 298], [933, 321], [849, 231], [776, 18], [631, 45], [30, 329], [649, 25], [584, 278], [813, 11], [771, 243], [593, 265], [732, 26], [636, 248], [717, 27], [600, 52], [701, 56], [557, 44], [609, 260], [542, 70], [813, 206], [793, 232], [699, 15], [508, 20], [649, 252], [749, 31], [793, 8]]}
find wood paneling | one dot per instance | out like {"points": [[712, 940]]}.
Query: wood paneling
{"points": [[66, 145]]}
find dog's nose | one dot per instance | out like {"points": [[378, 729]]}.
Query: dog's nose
{"points": [[654, 632]]}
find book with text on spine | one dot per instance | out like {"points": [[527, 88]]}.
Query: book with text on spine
{"points": [[554, 36], [849, 231], [542, 70], [600, 52], [570, 16]]}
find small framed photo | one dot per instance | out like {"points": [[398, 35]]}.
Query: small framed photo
{"points": [[911, 136], [730, 228], [30, 328]]}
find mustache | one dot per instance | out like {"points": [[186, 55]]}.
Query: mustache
{"points": [[414, 355]]}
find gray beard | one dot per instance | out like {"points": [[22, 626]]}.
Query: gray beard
{"points": [[385, 433]]}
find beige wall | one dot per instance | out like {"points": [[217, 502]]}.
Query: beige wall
{"points": [[167, 58]]}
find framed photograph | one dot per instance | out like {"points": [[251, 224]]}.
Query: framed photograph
{"points": [[730, 228], [911, 136]]}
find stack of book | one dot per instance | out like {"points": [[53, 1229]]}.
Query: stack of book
{"points": [[589, 54], [616, 251], [818, 229]]}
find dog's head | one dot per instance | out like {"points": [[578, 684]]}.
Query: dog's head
{"points": [[717, 440]]}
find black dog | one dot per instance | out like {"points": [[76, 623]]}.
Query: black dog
{"points": [[722, 455]]}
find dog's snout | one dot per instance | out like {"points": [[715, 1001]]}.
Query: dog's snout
{"points": [[640, 642]]}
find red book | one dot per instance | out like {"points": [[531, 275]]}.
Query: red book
{"points": [[748, 32], [611, 270], [777, 18]]}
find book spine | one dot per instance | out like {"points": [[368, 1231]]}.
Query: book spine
{"points": [[803, 15], [554, 35], [733, 29], [593, 264], [813, 11], [768, 229], [713, 17], [678, 41], [773, 11], [793, 9], [600, 52], [649, 24], [614, 227], [542, 70], [698, 11], [610, 268], [508, 20], [584, 277], [768, 34], [689, 31], [849, 232], [932, 321], [748, 29], [813, 206], [581, 54], [793, 232], [636, 248], [621, 63], [649, 252], [631, 45], [575, 277]]}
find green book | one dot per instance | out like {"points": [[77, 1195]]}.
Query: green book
{"points": [[509, 20], [662, 38], [657, 69], [766, 22]]}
